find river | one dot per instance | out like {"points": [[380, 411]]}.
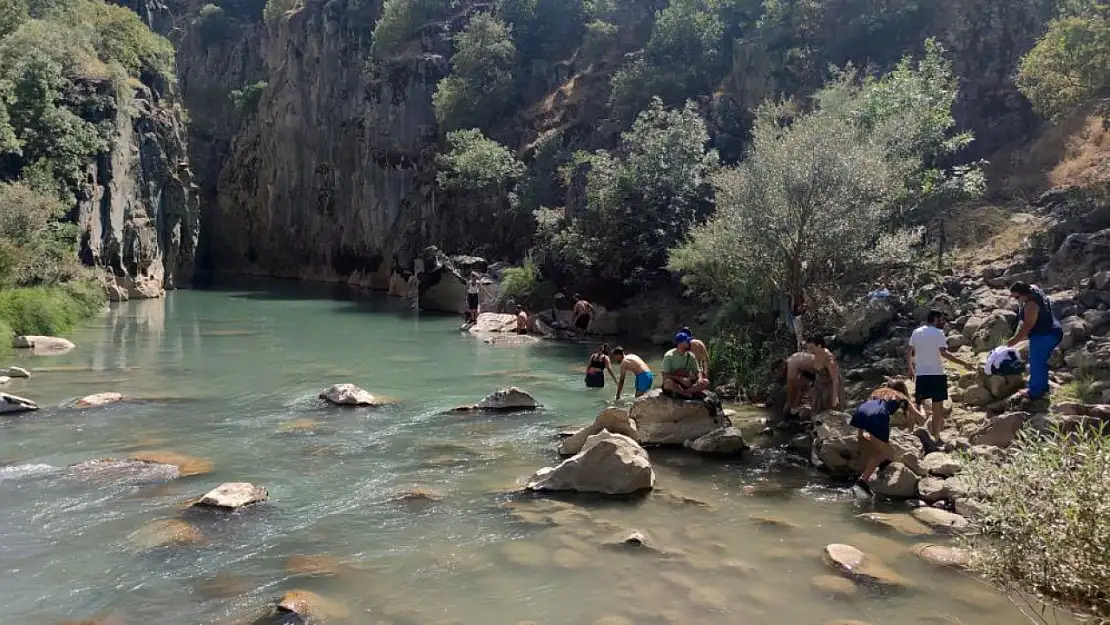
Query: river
{"points": [[231, 377]]}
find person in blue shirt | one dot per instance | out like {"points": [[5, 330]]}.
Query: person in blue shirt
{"points": [[1043, 331], [872, 418]]}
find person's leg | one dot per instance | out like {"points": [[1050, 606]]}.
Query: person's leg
{"points": [[871, 455], [1040, 348], [674, 388], [936, 423]]}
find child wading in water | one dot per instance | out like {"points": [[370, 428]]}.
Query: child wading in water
{"points": [[872, 418]]}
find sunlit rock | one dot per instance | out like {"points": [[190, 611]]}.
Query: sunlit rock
{"points": [[348, 395], [943, 555], [186, 465], [901, 523], [42, 345], [309, 605], [14, 404], [721, 441], [609, 464], [855, 564], [97, 400], [616, 420], [232, 496], [941, 519], [15, 372], [661, 420]]}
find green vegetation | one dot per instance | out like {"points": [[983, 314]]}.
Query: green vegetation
{"points": [[1070, 64], [245, 100], [399, 23], [275, 9], [473, 162], [47, 310], [524, 285], [1042, 525], [481, 82]]}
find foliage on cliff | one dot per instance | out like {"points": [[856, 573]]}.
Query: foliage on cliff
{"points": [[1071, 63]]}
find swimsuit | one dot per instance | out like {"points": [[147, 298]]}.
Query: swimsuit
{"points": [[582, 322], [644, 380], [595, 374], [472, 297]]}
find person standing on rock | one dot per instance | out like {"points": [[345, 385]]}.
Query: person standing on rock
{"points": [[872, 419], [595, 370], [682, 377], [927, 350], [1042, 329], [521, 320], [631, 363], [806, 368], [583, 314], [700, 352], [474, 290]]}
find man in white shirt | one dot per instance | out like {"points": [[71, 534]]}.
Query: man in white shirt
{"points": [[928, 346]]}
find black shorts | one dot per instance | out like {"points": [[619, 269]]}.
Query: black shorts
{"points": [[595, 379], [472, 301], [934, 387], [871, 418], [582, 322]]}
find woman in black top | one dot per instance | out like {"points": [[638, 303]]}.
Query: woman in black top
{"points": [[598, 365], [1043, 330]]}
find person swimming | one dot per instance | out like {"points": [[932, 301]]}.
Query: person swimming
{"points": [[631, 363]]}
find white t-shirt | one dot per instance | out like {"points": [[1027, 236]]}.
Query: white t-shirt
{"points": [[997, 356], [927, 341]]}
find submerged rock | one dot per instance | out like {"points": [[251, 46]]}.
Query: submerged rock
{"points": [[348, 395], [309, 605], [14, 404], [114, 469], [661, 420], [312, 565], [166, 533], [855, 564], [510, 399], [616, 420], [941, 519], [187, 465], [43, 345], [901, 523], [232, 496], [943, 555], [610, 464], [99, 399], [724, 441]]}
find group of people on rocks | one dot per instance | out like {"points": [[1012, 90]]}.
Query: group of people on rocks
{"points": [[685, 369]]}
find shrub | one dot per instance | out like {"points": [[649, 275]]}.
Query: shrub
{"points": [[49, 310], [36, 247], [1042, 528], [245, 100], [399, 23], [481, 83], [475, 163], [523, 284], [1069, 65]]}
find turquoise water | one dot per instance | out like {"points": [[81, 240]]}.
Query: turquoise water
{"points": [[231, 377]]}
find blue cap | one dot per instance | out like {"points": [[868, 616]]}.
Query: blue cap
{"points": [[681, 338]]}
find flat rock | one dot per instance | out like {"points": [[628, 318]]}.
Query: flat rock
{"points": [[99, 399], [14, 404], [943, 555], [940, 519], [723, 441], [166, 533], [42, 345], [855, 564], [834, 586], [492, 323], [348, 395], [901, 523], [610, 464], [661, 420], [999, 430], [312, 565], [233, 495], [508, 400], [186, 465], [934, 489], [140, 471], [309, 605], [895, 481], [940, 464]]}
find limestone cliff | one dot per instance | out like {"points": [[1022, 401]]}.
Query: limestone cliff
{"points": [[138, 210]]}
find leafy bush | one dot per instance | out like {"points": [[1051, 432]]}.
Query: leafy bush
{"points": [[524, 285], [481, 84], [275, 9], [399, 23], [474, 163], [36, 247], [1042, 525], [1069, 65], [245, 100], [49, 310], [599, 39]]}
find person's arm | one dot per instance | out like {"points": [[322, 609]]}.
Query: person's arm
{"points": [[1028, 320], [918, 416], [834, 373], [949, 356], [620, 383], [909, 361], [609, 368]]}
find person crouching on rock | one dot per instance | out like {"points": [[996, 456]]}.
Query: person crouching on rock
{"points": [[595, 370], [521, 320], [815, 365], [583, 314], [631, 363], [682, 377], [872, 418]]}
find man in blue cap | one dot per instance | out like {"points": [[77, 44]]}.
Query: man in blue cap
{"points": [[682, 377]]}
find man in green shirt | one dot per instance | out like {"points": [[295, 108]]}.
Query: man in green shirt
{"points": [[681, 374]]}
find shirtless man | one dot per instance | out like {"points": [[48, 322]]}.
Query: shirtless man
{"points": [[700, 352], [682, 378], [631, 363], [802, 370], [521, 320], [583, 313]]}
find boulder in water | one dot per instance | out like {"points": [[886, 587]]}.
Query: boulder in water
{"points": [[492, 323], [723, 441], [99, 399], [855, 564], [166, 533], [510, 399], [140, 471], [44, 345], [895, 481], [940, 519], [615, 420], [348, 395], [610, 464], [836, 446], [943, 555], [15, 372], [13, 404], [187, 465], [661, 420], [309, 605], [232, 496]]}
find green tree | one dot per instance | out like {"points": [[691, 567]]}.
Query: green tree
{"points": [[1069, 65], [399, 23], [481, 83], [474, 163]]}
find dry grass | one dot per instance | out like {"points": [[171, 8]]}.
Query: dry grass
{"points": [[980, 234], [1072, 153]]}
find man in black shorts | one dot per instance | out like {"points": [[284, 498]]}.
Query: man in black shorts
{"points": [[583, 314], [927, 350]]}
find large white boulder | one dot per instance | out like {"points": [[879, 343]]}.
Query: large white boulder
{"points": [[348, 395], [232, 496], [15, 372], [13, 404], [44, 345], [508, 400], [493, 323], [97, 400], [613, 419], [661, 420], [610, 464]]}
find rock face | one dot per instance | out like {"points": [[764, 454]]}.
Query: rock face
{"points": [[14, 404], [139, 211], [99, 399], [348, 395], [661, 420], [610, 464], [724, 440], [1082, 255], [865, 321], [507, 400], [43, 344], [232, 496]]}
